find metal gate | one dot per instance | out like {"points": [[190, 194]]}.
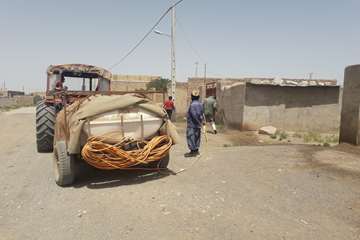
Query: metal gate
{"points": [[211, 89]]}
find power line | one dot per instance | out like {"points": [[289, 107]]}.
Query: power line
{"points": [[146, 35], [187, 39]]}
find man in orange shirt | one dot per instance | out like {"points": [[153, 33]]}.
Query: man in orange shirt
{"points": [[169, 106]]}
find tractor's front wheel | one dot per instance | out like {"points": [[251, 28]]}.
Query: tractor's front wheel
{"points": [[45, 124], [64, 165]]}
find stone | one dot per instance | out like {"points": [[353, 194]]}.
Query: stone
{"points": [[267, 130]]}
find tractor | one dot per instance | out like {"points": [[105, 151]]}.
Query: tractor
{"points": [[80, 109], [78, 81]]}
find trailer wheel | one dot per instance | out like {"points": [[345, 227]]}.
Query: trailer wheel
{"points": [[64, 165], [45, 122], [165, 161], [162, 164]]}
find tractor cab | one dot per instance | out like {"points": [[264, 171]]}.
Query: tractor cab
{"points": [[74, 81], [65, 84], [78, 80]]}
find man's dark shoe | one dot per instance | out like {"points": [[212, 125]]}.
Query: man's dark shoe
{"points": [[191, 154], [215, 132]]}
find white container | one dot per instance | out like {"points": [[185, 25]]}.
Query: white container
{"points": [[135, 123]]}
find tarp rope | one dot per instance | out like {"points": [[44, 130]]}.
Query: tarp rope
{"points": [[106, 152]]}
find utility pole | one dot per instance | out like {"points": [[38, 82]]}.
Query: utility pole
{"points": [[173, 62], [204, 93], [310, 75], [196, 69]]}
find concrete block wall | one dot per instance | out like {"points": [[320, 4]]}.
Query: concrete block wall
{"points": [[127, 86], [306, 109], [350, 114], [138, 82], [156, 97], [131, 82], [292, 108], [24, 100], [16, 101], [230, 102], [182, 99], [7, 102]]}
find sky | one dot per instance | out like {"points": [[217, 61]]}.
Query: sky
{"points": [[235, 38]]}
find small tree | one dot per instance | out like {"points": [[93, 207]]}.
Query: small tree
{"points": [[160, 84]]}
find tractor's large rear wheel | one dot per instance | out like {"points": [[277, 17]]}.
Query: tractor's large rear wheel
{"points": [[45, 124]]}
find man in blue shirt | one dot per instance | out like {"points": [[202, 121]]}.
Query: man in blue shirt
{"points": [[195, 120]]}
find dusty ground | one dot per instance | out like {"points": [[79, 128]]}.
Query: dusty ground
{"points": [[244, 192]]}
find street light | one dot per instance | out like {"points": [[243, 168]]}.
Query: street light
{"points": [[171, 91], [162, 33]]}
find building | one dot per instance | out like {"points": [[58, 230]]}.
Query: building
{"points": [[203, 85], [10, 94], [251, 103]]}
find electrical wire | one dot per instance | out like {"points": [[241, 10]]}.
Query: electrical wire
{"points": [[187, 39], [108, 152], [146, 35]]}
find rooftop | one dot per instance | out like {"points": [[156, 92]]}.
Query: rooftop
{"points": [[292, 82]]}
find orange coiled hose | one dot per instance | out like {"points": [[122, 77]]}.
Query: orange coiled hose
{"points": [[106, 153]]}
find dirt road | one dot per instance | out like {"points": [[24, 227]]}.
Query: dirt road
{"points": [[249, 192]]}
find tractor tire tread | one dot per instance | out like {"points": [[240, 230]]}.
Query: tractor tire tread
{"points": [[45, 125]]}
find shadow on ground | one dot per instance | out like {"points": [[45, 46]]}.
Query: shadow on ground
{"points": [[93, 178], [342, 168]]}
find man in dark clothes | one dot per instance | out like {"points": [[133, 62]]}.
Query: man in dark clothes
{"points": [[195, 121]]}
